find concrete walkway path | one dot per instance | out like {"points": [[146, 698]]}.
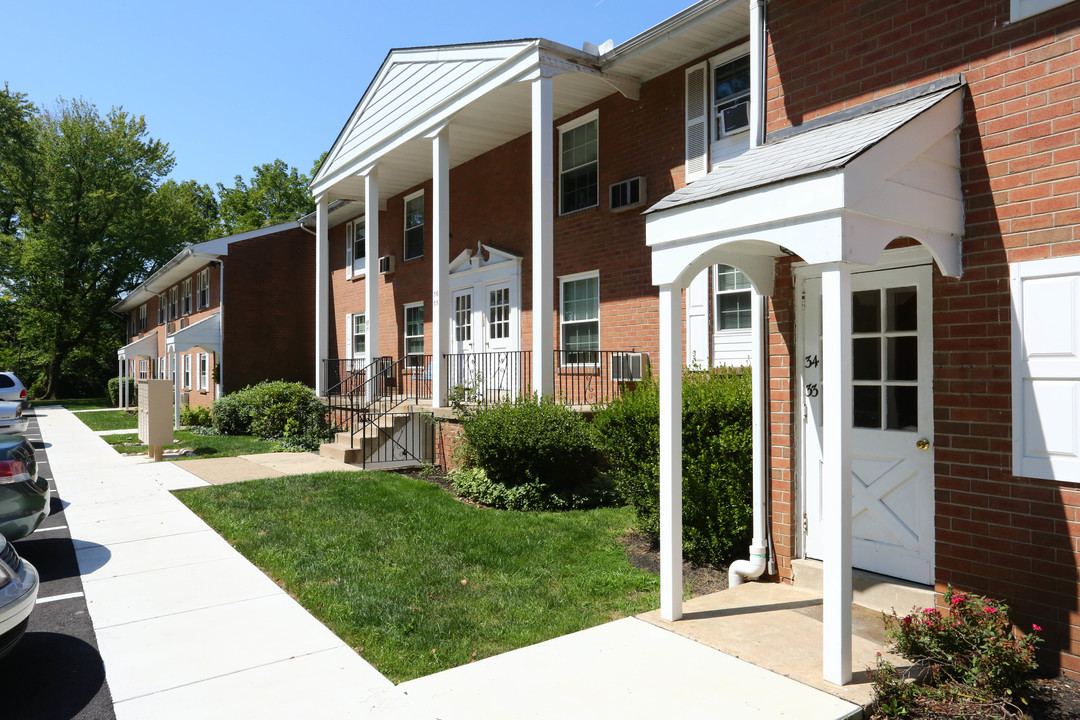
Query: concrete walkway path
{"points": [[188, 628]]}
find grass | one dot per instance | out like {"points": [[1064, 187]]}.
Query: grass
{"points": [[418, 582], [205, 446], [111, 420], [79, 403]]}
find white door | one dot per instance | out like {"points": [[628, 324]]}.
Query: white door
{"points": [[501, 362], [892, 460], [462, 366]]}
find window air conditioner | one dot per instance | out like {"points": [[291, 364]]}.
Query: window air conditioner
{"points": [[627, 367], [386, 264], [185, 399]]}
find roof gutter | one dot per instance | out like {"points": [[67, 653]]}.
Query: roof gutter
{"points": [[662, 31]]}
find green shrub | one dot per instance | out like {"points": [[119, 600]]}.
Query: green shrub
{"points": [[538, 453], [271, 410], [972, 660], [717, 459], [113, 388], [195, 416]]}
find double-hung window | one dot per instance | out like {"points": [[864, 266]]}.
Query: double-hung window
{"points": [[414, 226], [579, 316], [174, 303], [717, 111], [359, 335], [732, 299], [204, 371], [186, 384], [731, 97], [142, 317], [579, 164], [161, 309], [202, 297], [187, 296], [414, 334], [356, 248]]}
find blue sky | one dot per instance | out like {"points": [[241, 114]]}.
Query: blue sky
{"points": [[235, 83]]}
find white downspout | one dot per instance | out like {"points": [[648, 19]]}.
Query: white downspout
{"points": [[742, 570], [757, 72]]}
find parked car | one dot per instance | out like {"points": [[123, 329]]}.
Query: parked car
{"points": [[24, 497], [11, 388], [18, 593], [11, 418]]}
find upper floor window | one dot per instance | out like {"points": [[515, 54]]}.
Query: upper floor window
{"points": [[717, 111], [414, 226], [731, 97], [579, 318], [579, 164], [187, 296], [1020, 9], [732, 299], [142, 317], [356, 245], [161, 309], [174, 303], [202, 297]]}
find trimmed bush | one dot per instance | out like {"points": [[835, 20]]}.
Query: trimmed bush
{"points": [[195, 416], [536, 452], [113, 388], [717, 459], [271, 410]]}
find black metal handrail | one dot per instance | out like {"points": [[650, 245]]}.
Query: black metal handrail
{"points": [[346, 375]]}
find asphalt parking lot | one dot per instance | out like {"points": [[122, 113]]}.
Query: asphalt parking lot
{"points": [[55, 671]]}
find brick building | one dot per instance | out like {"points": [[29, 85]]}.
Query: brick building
{"points": [[224, 314]]}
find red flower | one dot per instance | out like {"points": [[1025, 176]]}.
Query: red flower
{"points": [[1035, 627]]}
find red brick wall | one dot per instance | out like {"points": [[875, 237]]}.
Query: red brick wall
{"points": [[1014, 538], [269, 330]]}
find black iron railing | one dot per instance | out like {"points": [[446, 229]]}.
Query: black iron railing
{"points": [[343, 376]]}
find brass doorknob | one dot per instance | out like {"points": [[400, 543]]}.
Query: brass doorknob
{"points": [[922, 443]]}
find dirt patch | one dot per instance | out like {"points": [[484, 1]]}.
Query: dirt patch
{"points": [[703, 579], [1055, 699]]}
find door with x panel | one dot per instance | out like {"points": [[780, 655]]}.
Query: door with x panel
{"points": [[892, 412]]}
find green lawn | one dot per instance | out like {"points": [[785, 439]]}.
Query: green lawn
{"points": [[205, 446], [79, 403], [110, 419], [418, 582]]}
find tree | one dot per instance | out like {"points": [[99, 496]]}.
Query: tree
{"points": [[16, 153], [91, 219], [277, 193]]}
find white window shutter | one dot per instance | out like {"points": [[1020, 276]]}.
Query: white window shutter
{"points": [[348, 250], [697, 122], [1046, 369]]}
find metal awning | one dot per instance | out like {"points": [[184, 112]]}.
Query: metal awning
{"points": [[205, 334]]}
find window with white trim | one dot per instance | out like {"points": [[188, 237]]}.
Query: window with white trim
{"points": [[1020, 9], [356, 248], [162, 367], [142, 318], [463, 318], [186, 384], [414, 226], [717, 104], [1046, 368], [202, 294], [172, 368], [579, 318], [414, 334], [203, 373], [579, 164], [161, 309], [187, 296], [359, 335], [174, 303], [732, 298], [142, 368]]}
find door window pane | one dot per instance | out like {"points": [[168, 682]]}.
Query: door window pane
{"points": [[866, 358], [901, 310], [903, 358], [499, 313], [866, 311], [867, 406], [903, 402], [463, 318]]}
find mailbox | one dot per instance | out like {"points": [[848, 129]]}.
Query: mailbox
{"points": [[155, 415]]}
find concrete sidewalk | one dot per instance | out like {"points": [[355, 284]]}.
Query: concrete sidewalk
{"points": [[188, 628]]}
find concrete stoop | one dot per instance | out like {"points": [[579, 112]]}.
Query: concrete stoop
{"points": [[352, 450], [869, 590]]}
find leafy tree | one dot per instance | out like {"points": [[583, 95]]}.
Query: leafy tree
{"points": [[90, 219], [16, 153], [277, 193]]}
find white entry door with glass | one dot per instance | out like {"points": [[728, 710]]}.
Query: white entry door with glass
{"points": [[892, 416]]}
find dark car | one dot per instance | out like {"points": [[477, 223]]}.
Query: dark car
{"points": [[24, 497], [18, 592]]}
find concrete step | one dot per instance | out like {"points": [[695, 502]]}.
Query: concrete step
{"points": [[870, 590], [342, 453]]}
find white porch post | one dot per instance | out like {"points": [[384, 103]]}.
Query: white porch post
{"points": [[121, 394], [176, 389], [543, 294], [836, 481], [322, 291], [371, 250], [440, 259], [670, 452]]}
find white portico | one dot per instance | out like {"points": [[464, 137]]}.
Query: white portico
{"points": [[834, 192]]}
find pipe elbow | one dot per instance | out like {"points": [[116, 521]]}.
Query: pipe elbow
{"points": [[742, 570]]}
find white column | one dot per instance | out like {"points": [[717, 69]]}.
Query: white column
{"points": [[836, 474], [322, 291], [671, 581], [371, 250], [121, 388], [543, 280], [176, 389], [440, 260]]}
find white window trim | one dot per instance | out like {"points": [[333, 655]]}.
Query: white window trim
{"points": [[350, 335], [715, 143], [142, 318], [563, 279], [716, 292], [405, 327], [1064, 469], [405, 229], [163, 309], [174, 302], [351, 271], [186, 298], [203, 287], [163, 367], [563, 129], [202, 373], [1020, 9], [186, 372]]}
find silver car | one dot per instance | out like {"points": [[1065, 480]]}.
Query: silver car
{"points": [[11, 388], [12, 420], [18, 593]]}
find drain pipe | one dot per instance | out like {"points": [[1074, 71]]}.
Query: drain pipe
{"points": [[742, 570], [757, 72]]}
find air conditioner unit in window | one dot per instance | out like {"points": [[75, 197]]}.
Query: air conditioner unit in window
{"points": [[627, 194], [386, 264], [627, 367], [185, 399]]}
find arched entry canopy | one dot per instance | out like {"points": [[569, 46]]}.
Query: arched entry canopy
{"points": [[834, 192]]}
